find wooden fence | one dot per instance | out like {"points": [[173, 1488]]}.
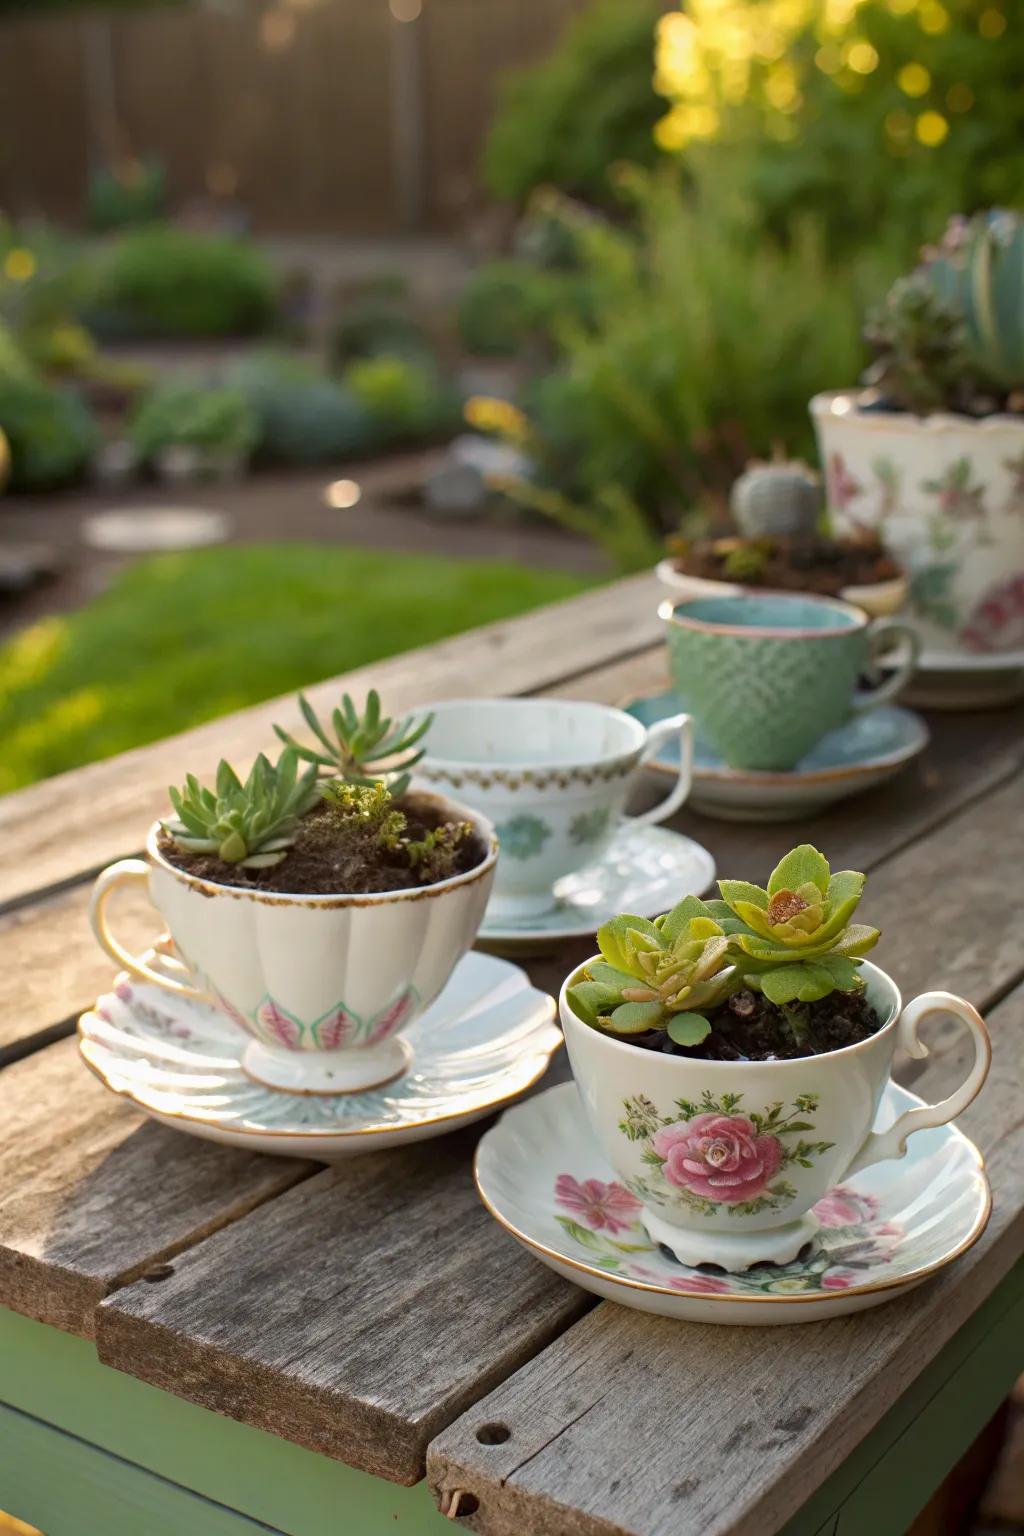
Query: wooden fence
{"points": [[323, 115]]}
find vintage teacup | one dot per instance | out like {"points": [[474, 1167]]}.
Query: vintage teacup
{"points": [[554, 776], [729, 1157], [323, 984], [766, 675]]}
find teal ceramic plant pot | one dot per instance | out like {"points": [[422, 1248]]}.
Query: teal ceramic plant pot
{"points": [[766, 675]]}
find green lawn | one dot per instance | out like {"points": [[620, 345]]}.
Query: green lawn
{"points": [[182, 638]]}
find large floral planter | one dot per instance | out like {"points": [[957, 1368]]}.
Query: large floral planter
{"points": [[946, 495]]}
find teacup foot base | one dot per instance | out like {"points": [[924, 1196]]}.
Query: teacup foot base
{"points": [[328, 1072], [734, 1251]]}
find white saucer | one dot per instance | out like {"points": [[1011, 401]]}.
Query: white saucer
{"points": [[540, 1174], [486, 1039], [865, 752], [646, 870]]}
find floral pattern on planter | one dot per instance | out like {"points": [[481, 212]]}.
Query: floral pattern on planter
{"points": [[523, 837], [589, 826], [1016, 469], [997, 622], [957, 497], [841, 486], [890, 481], [604, 1222], [930, 594], [714, 1157]]}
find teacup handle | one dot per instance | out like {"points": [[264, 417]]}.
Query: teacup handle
{"points": [[132, 872], [881, 1145], [881, 633], [658, 736]]}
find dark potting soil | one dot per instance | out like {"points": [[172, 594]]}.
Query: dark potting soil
{"points": [[749, 1028], [824, 566], [331, 858]]}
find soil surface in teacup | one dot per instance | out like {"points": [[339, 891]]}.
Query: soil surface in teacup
{"points": [[331, 857], [749, 1028], [824, 566]]}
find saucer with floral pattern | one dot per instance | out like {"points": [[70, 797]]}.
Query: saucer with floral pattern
{"points": [[540, 1174], [486, 1039]]}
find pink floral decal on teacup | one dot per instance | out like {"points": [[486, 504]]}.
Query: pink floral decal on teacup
{"points": [[283, 1029], [852, 1249], [390, 1019], [335, 1029], [714, 1155], [720, 1157]]}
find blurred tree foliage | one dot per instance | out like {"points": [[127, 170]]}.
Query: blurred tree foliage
{"points": [[868, 113], [588, 104]]}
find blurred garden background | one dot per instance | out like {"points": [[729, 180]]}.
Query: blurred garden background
{"points": [[329, 327]]}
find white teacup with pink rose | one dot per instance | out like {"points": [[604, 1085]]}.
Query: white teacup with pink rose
{"points": [[728, 1157]]}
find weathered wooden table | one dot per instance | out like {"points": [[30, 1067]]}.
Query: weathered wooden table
{"points": [[195, 1341]]}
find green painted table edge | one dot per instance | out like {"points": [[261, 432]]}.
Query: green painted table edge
{"points": [[233, 1468], [895, 1469], [228, 1479]]}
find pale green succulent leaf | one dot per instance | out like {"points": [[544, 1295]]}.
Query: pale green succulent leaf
{"points": [[843, 971], [804, 983], [673, 923], [688, 1028], [734, 891], [857, 940], [636, 1018], [610, 975], [798, 867]]}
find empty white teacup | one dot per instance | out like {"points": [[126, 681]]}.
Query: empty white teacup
{"points": [[553, 775]]}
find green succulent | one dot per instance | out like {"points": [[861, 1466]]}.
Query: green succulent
{"points": [[978, 270], [794, 941], [251, 824], [657, 975], [362, 748], [918, 342]]}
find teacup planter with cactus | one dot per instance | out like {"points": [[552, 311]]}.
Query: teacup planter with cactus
{"points": [[732, 1054], [930, 453], [322, 902], [777, 507]]}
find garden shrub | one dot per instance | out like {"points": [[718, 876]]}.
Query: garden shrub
{"points": [[507, 304], [160, 281], [588, 104], [703, 345], [51, 434], [122, 195], [406, 401], [375, 317], [304, 417], [187, 411]]}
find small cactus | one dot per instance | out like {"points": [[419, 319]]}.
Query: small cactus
{"points": [[778, 498]]}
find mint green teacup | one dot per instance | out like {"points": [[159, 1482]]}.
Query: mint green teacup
{"points": [[766, 675]]}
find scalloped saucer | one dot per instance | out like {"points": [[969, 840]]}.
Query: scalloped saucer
{"points": [[540, 1174], [486, 1039], [644, 870], [865, 752]]}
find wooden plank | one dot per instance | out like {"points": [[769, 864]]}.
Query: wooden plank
{"points": [[93, 1195], [356, 1315], [58, 1379], [633, 1424], [56, 832], [51, 969], [309, 1377], [49, 1478]]}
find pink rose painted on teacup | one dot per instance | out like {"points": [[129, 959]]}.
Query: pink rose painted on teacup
{"points": [[718, 1157]]}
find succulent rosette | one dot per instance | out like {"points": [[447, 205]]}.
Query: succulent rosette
{"points": [[794, 940], [657, 975]]}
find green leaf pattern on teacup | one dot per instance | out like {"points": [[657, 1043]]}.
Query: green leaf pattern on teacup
{"points": [[589, 826], [523, 837]]}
